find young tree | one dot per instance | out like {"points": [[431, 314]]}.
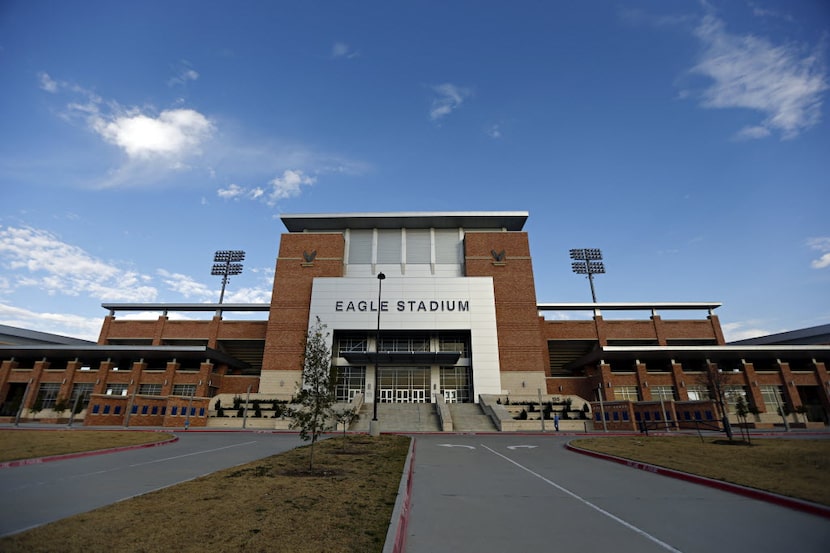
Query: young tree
{"points": [[316, 394], [346, 417], [742, 410], [716, 380]]}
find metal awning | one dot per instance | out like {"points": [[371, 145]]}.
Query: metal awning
{"points": [[402, 357], [713, 353], [98, 353]]}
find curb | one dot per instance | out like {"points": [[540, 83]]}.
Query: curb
{"points": [[396, 534], [66, 456], [776, 499]]}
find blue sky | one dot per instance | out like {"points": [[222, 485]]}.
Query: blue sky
{"points": [[687, 140]]}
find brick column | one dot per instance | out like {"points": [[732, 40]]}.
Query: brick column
{"points": [[789, 385], [678, 377], [756, 397], [642, 381]]}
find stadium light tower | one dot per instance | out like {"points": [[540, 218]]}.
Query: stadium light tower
{"points": [[588, 261], [225, 264]]}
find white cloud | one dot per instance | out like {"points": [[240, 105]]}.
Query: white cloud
{"points": [[779, 81], [43, 261], [173, 133], [184, 74], [822, 245], [187, 286], [494, 132], [47, 83], [233, 191], [342, 50], [449, 98], [287, 185], [86, 328], [744, 330]]}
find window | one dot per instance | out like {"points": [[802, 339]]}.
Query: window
{"points": [[731, 394], [84, 391], [48, 394], [665, 393], [116, 389], [149, 389], [174, 411], [698, 392], [350, 381], [404, 344], [450, 343], [350, 345], [626, 393], [772, 398], [106, 409], [457, 381], [183, 390]]}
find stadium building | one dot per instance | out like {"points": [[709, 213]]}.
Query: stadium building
{"points": [[433, 309]]}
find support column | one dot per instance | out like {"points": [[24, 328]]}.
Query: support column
{"points": [[642, 380]]}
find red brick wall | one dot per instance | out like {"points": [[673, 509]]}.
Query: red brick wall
{"points": [[517, 319], [291, 297]]}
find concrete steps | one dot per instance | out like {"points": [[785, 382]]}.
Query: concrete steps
{"points": [[400, 417], [468, 417]]}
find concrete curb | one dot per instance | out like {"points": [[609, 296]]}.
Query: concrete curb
{"points": [[396, 535], [781, 500], [64, 457]]}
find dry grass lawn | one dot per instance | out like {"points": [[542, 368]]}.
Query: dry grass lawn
{"points": [[269, 505], [795, 468], [26, 444]]}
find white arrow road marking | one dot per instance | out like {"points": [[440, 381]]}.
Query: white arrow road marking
{"points": [[457, 445], [515, 447]]}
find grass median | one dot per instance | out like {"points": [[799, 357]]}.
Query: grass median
{"points": [[275, 504], [797, 468], [28, 444]]}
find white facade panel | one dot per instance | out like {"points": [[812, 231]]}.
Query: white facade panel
{"points": [[417, 303]]}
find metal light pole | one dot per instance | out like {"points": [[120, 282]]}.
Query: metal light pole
{"points": [[225, 264], [588, 261], [374, 425]]}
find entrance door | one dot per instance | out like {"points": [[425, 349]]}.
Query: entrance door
{"points": [[402, 395], [387, 395], [450, 396], [419, 395]]}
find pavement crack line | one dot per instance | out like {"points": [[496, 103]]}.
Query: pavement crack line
{"points": [[597, 508]]}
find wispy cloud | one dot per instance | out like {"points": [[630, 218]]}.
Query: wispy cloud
{"points": [[783, 82], [158, 143], [743, 330], [494, 131], [38, 258], [449, 98], [184, 74], [341, 50], [287, 185], [47, 83], [822, 245], [87, 328]]}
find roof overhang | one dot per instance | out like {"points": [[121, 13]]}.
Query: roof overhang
{"points": [[332, 222], [631, 306], [402, 357], [713, 353], [96, 353], [164, 307]]}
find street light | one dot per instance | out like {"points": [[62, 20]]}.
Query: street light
{"points": [[374, 425], [588, 261], [225, 264]]}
